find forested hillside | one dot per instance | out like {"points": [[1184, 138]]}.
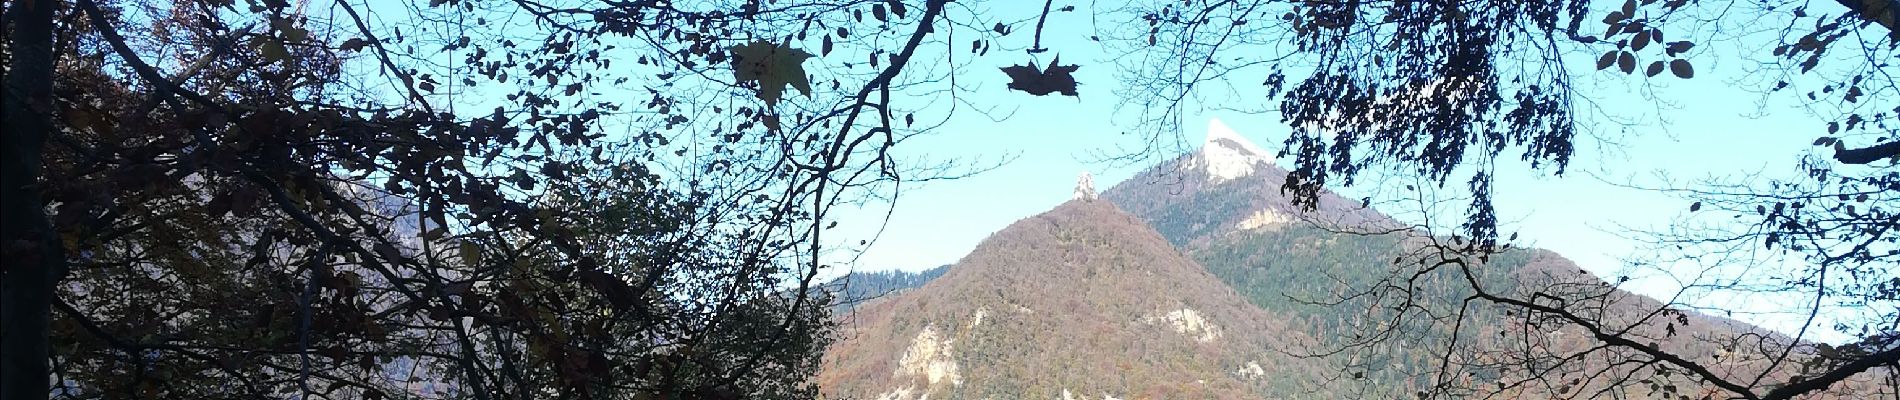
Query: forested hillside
{"points": [[1083, 301], [1335, 270], [1277, 302], [857, 288]]}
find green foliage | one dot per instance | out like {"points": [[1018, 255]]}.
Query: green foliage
{"points": [[1309, 274]]}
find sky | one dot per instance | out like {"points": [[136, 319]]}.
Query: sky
{"points": [[1715, 124]]}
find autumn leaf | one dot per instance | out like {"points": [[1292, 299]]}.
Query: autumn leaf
{"points": [[471, 253], [353, 44], [1681, 68], [271, 49], [772, 67], [1056, 78]]}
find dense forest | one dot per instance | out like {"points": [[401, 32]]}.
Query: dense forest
{"points": [[859, 287]]}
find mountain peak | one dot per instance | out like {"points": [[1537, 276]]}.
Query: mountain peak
{"points": [[1092, 292], [1226, 155]]}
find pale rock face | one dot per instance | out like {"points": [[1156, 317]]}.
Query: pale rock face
{"points": [[1066, 395], [1085, 187], [930, 356], [1262, 219], [902, 393], [1251, 371], [1188, 322], [977, 318], [1227, 156]]}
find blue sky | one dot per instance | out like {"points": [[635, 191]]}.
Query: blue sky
{"points": [[1714, 124]]}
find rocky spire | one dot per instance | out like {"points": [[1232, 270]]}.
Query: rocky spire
{"points": [[1085, 187]]}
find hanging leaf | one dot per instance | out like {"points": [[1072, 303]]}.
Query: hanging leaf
{"points": [[471, 254], [1681, 47], [897, 7], [1655, 67], [273, 50], [772, 67], [1608, 59], [353, 44], [1056, 78], [1626, 62], [1681, 68]]}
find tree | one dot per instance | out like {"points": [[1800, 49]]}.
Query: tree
{"points": [[469, 199], [36, 258], [1448, 92]]}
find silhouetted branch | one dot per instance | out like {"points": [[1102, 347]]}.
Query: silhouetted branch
{"points": [[1868, 154]]}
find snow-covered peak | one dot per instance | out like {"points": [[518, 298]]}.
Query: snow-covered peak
{"points": [[1226, 155]]}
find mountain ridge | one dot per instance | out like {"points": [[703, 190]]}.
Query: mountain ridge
{"points": [[1203, 282], [1096, 291], [1300, 258], [1174, 196]]}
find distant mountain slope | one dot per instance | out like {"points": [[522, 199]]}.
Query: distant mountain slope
{"points": [[1083, 301], [1246, 232], [857, 288]]}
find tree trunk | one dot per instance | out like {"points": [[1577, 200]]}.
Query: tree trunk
{"points": [[32, 254]]}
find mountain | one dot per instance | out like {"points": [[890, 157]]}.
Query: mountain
{"points": [[858, 288], [1229, 185], [1200, 279], [1223, 206], [1083, 301]]}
